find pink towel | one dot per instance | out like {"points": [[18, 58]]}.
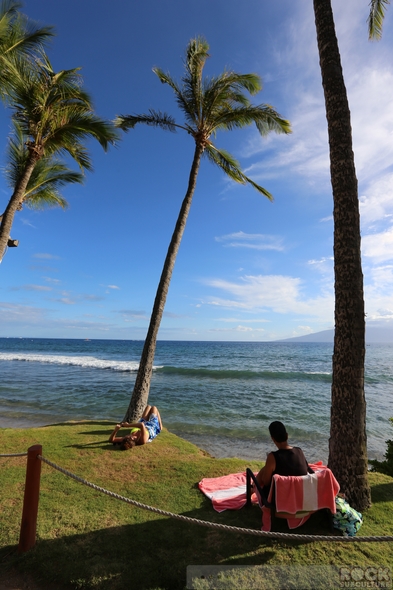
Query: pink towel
{"points": [[314, 491], [227, 492], [306, 493]]}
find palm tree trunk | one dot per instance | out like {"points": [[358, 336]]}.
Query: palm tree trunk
{"points": [[13, 204], [348, 441], [140, 393]]}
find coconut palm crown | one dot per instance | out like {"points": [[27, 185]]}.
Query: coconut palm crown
{"points": [[208, 105], [55, 116], [47, 178]]}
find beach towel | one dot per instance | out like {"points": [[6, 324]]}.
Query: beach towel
{"points": [[227, 492], [302, 495], [312, 492]]}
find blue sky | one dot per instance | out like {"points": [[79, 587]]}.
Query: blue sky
{"points": [[247, 269]]}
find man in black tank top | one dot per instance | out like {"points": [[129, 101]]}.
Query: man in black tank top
{"points": [[286, 460]]}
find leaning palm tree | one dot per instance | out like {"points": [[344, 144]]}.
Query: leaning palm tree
{"points": [[46, 180], [56, 116], [208, 105], [19, 36], [348, 440]]}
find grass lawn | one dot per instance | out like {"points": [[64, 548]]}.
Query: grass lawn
{"points": [[88, 540]]}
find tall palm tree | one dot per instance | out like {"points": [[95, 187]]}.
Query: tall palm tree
{"points": [[56, 116], [376, 17], [18, 37], [208, 105], [348, 441]]}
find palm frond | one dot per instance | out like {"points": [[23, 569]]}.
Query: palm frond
{"points": [[53, 107], [230, 82], [25, 37], [45, 199], [48, 176], [183, 101], [231, 167], [19, 37], [264, 116], [196, 56], [154, 119], [376, 18]]}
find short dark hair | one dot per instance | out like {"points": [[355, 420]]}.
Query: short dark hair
{"points": [[278, 431], [127, 443]]}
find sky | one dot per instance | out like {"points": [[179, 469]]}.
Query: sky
{"points": [[247, 269]]}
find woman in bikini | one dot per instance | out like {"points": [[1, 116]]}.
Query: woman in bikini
{"points": [[142, 432]]}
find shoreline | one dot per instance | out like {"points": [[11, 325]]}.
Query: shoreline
{"points": [[217, 449]]}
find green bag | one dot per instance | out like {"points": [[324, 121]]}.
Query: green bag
{"points": [[347, 519]]}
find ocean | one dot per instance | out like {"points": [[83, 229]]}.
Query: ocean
{"points": [[219, 395]]}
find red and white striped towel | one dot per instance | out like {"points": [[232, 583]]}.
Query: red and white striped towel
{"points": [[307, 493], [303, 494], [227, 492]]}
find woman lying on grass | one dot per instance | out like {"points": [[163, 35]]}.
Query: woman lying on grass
{"points": [[141, 432]]}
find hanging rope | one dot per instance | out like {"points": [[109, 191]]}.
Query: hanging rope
{"points": [[224, 527], [14, 455]]}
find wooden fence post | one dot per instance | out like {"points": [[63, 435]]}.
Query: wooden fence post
{"points": [[28, 525]]}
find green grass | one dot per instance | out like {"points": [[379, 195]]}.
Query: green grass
{"points": [[88, 540]]}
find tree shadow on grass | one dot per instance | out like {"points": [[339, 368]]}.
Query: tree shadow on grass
{"points": [[382, 492], [105, 423], [149, 555], [102, 444], [153, 554]]}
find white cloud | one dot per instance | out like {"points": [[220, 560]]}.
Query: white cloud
{"points": [[51, 280], [66, 301], [378, 246], [31, 288], [279, 294], [11, 314], [376, 204], [245, 321], [46, 256], [252, 241], [238, 328], [27, 222], [323, 265], [368, 74], [132, 314]]}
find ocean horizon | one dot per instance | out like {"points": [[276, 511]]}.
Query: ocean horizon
{"points": [[219, 395]]}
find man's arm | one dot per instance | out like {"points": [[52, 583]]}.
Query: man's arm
{"points": [[265, 475]]}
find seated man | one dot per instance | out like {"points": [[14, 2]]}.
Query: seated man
{"points": [[142, 431], [286, 460]]}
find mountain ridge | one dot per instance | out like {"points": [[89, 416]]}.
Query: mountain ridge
{"points": [[374, 335]]}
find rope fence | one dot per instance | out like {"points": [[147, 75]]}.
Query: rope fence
{"points": [[31, 499], [215, 525]]}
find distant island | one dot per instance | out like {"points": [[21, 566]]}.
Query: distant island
{"points": [[373, 335]]}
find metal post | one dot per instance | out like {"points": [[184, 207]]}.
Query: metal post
{"points": [[28, 525]]}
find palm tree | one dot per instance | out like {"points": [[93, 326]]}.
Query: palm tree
{"points": [[348, 441], [18, 37], [48, 176], [376, 17], [208, 105], [56, 116]]}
